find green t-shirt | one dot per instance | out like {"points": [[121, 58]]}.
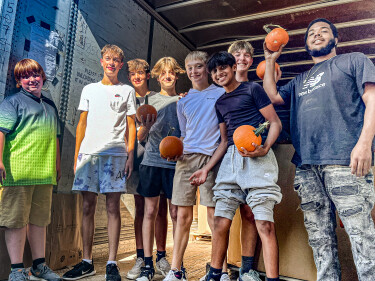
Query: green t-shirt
{"points": [[30, 125]]}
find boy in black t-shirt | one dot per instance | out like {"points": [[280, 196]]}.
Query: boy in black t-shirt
{"points": [[244, 177]]}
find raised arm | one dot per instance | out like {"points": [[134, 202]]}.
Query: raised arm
{"points": [[269, 83], [80, 134], [200, 176], [361, 156]]}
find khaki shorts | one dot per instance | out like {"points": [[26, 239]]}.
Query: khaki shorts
{"points": [[184, 194], [21, 205]]}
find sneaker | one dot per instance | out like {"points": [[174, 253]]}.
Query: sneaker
{"points": [[184, 274], [18, 274], [136, 270], [224, 277], [163, 266], [43, 272], [80, 270], [252, 275], [112, 273], [147, 273], [171, 276]]}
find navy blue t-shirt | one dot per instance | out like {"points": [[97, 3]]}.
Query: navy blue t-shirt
{"points": [[327, 110], [241, 107]]}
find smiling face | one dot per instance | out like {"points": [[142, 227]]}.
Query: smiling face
{"points": [[224, 75], [243, 60], [167, 78], [196, 71], [32, 83], [320, 40], [111, 64], [138, 78]]}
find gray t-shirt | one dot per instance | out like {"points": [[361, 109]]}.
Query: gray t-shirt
{"points": [[327, 109], [166, 107]]}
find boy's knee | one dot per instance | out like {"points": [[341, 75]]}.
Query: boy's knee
{"points": [[266, 228], [184, 219], [221, 225]]}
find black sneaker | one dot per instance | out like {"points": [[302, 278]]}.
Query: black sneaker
{"points": [[80, 270], [112, 273], [147, 273]]}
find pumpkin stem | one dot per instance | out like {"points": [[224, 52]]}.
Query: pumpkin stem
{"points": [[268, 30], [171, 129], [261, 128]]}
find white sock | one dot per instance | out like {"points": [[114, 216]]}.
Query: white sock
{"points": [[86, 260], [109, 262]]}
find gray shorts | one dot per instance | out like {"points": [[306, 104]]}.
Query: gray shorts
{"points": [[132, 183], [245, 180], [100, 174]]}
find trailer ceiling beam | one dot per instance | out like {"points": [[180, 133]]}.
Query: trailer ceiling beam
{"points": [[268, 14], [179, 5], [164, 23], [292, 33]]}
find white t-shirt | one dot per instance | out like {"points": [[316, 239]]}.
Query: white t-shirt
{"points": [[107, 106], [198, 120]]}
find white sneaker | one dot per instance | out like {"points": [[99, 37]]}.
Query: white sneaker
{"points": [[171, 276], [252, 275], [163, 267], [225, 277], [136, 270]]}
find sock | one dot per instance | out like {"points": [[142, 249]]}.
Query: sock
{"points": [[160, 255], [247, 264], [38, 262], [177, 273], [273, 279], [140, 254], [88, 261], [214, 273], [110, 262], [17, 265], [149, 262]]}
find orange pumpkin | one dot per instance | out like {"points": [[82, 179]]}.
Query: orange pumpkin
{"points": [[276, 38], [144, 110], [171, 147], [261, 69], [245, 135]]}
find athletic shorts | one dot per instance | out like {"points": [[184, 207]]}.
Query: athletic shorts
{"points": [[184, 194], [100, 174], [154, 181], [21, 205], [245, 180]]}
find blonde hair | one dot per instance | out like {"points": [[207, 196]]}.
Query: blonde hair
{"points": [[113, 49], [241, 45], [137, 64], [27, 67], [197, 55], [164, 63]]}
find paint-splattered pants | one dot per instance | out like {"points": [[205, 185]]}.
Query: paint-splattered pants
{"points": [[324, 188]]}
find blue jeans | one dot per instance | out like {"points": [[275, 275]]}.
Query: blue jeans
{"points": [[324, 189]]}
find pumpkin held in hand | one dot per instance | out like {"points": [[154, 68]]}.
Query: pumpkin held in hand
{"points": [[171, 147], [261, 69], [245, 135], [144, 110], [276, 37]]}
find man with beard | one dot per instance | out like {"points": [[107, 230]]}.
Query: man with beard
{"points": [[332, 128]]}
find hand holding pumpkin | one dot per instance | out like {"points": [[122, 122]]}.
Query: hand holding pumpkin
{"points": [[269, 55], [258, 152], [199, 177], [148, 121]]}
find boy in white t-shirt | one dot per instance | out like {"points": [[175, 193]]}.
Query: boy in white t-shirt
{"points": [[102, 161], [200, 133]]}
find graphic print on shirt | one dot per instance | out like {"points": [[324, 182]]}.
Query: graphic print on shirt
{"points": [[312, 84]]}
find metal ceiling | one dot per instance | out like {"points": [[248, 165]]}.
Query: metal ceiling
{"points": [[212, 25]]}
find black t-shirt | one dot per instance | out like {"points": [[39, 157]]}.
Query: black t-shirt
{"points": [[327, 110], [241, 107]]}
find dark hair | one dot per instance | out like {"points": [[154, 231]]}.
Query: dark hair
{"points": [[331, 25], [220, 59]]}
